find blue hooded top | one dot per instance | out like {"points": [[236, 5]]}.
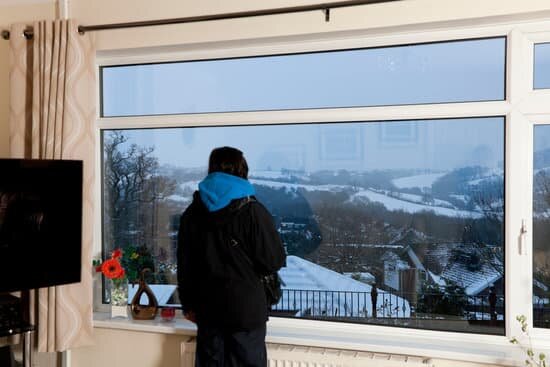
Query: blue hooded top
{"points": [[218, 189]]}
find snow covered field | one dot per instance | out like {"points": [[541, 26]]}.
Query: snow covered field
{"points": [[420, 181], [393, 204]]}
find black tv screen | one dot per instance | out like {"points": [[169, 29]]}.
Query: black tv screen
{"points": [[40, 223]]}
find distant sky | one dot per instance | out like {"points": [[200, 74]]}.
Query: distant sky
{"points": [[542, 137], [428, 73], [542, 66]]}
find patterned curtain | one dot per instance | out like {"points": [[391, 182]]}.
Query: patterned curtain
{"points": [[52, 113]]}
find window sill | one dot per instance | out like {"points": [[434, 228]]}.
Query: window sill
{"points": [[178, 326], [380, 339]]}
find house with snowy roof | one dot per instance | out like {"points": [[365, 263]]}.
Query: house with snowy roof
{"points": [[313, 290], [395, 266], [476, 268]]}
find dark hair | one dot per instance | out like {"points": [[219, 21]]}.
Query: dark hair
{"points": [[228, 160]]}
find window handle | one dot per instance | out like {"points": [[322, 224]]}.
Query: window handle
{"points": [[522, 233]]}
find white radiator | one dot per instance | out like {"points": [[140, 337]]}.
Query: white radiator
{"points": [[283, 355]]}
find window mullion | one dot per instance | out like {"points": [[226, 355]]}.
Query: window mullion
{"points": [[517, 263], [517, 173], [382, 113]]}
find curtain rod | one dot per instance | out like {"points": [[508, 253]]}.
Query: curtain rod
{"points": [[326, 7]]}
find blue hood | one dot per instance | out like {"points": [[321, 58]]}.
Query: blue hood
{"points": [[218, 189]]}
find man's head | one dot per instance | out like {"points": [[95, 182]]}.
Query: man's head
{"points": [[228, 160]]}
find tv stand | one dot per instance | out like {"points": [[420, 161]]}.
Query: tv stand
{"points": [[12, 323], [26, 333]]}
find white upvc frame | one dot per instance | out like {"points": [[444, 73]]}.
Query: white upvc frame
{"points": [[519, 108], [536, 109], [540, 336]]}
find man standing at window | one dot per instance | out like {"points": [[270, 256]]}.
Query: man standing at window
{"points": [[226, 241]]}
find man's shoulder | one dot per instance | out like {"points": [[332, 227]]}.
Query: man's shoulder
{"points": [[193, 207], [259, 210]]}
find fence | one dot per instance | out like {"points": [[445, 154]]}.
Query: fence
{"points": [[382, 304]]}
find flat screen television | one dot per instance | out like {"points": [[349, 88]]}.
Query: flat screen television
{"points": [[40, 223]]}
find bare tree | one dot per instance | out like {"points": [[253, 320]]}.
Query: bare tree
{"points": [[133, 190]]}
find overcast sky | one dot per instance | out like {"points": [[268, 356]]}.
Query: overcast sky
{"points": [[429, 73], [426, 145]]}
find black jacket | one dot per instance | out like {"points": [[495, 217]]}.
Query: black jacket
{"points": [[215, 278]]}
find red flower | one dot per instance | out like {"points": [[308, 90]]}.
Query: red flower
{"points": [[112, 269]]}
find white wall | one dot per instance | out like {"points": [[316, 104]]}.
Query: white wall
{"points": [[365, 17], [130, 348], [118, 348]]}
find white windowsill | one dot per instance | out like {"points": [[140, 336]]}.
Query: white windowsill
{"points": [[381, 339]]}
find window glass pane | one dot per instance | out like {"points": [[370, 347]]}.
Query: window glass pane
{"points": [[542, 66], [427, 73], [406, 216], [541, 227]]}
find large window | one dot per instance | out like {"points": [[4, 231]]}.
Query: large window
{"points": [[393, 222], [390, 222]]}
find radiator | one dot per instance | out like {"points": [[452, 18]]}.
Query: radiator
{"points": [[284, 355]]}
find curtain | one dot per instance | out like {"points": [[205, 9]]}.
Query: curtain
{"points": [[52, 114]]}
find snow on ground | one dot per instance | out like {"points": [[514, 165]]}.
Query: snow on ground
{"points": [[292, 186], [396, 204], [419, 181], [478, 181], [179, 198], [418, 199], [364, 277], [190, 185], [491, 174], [462, 198], [313, 290], [269, 174]]}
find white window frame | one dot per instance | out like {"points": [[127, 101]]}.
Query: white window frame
{"points": [[541, 336], [521, 108]]}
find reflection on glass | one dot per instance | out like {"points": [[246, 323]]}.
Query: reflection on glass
{"points": [[425, 73], [408, 234], [541, 227], [541, 79]]}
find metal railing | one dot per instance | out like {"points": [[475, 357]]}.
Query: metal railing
{"points": [[383, 304]]}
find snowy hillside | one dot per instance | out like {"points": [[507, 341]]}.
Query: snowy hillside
{"points": [[420, 181], [292, 186], [392, 204]]}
